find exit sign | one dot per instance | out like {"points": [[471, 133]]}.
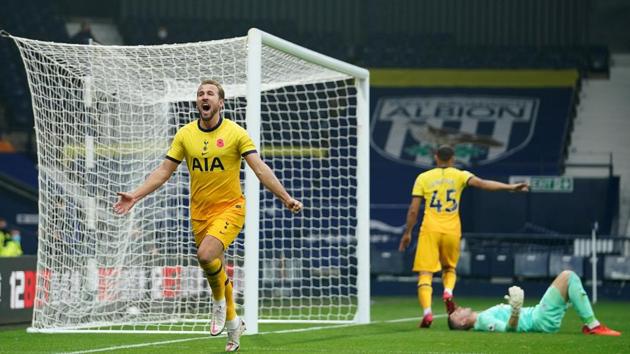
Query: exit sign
{"points": [[546, 184]]}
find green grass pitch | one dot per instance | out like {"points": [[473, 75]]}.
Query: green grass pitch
{"points": [[393, 330]]}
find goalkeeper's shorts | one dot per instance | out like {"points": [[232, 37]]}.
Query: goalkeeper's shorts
{"points": [[224, 225], [548, 314], [436, 250]]}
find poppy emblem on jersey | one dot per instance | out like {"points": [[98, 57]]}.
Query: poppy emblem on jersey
{"points": [[220, 143]]}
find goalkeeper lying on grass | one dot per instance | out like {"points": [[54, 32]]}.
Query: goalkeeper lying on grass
{"points": [[545, 317]]}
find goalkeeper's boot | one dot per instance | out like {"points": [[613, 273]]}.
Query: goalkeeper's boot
{"points": [[600, 330], [234, 337], [218, 317], [449, 302], [426, 321]]}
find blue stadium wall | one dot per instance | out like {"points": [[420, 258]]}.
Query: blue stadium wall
{"points": [[18, 197]]}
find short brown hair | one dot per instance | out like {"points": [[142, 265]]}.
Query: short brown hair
{"points": [[445, 152], [215, 83]]}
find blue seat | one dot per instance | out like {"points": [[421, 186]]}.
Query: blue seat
{"points": [[463, 265], [502, 265], [480, 265], [388, 262], [560, 262], [531, 265], [616, 268]]}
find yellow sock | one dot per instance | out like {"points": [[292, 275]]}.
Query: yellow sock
{"points": [[216, 278], [425, 291], [448, 278], [229, 300]]}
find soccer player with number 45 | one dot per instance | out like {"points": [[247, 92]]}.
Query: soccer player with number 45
{"points": [[546, 317], [438, 246]]}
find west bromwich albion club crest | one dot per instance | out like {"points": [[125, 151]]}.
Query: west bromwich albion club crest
{"points": [[483, 129]]}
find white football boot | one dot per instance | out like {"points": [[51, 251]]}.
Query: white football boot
{"points": [[234, 337], [218, 317]]}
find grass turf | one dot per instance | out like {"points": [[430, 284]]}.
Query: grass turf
{"points": [[384, 335]]}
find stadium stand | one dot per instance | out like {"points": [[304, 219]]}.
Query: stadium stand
{"points": [[18, 175], [439, 51], [599, 140], [599, 127], [35, 19]]}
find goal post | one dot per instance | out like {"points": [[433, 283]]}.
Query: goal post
{"points": [[104, 118], [255, 40]]}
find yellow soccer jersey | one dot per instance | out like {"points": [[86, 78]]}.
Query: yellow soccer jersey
{"points": [[213, 158], [441, 189]]}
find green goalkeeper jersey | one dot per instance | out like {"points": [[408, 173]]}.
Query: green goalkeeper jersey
{"points": [[495, 319], [545, 317]]}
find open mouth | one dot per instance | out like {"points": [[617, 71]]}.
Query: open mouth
{"points": [[205, 107]]}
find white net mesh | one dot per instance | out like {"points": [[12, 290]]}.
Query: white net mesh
{"points": [[104, 118]]}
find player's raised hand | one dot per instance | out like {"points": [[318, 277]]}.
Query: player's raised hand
{"points": [[294, 205], [515, 298], [404, 241], [125, 203], [520, 187]]}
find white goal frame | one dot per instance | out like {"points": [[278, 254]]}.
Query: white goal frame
{"points": [[256, 39]]}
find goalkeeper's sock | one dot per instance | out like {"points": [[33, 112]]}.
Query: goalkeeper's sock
{"points": [[593, 324], [425, 291], [216, 278], [579, 299], [448, 279], [229, 300]]}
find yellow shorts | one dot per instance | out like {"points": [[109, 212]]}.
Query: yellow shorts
{"points": [[435, 251], [224, 225]]}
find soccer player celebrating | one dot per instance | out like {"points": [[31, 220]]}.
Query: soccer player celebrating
{"points": [[212, 147], [545, 317], [438, 246]]}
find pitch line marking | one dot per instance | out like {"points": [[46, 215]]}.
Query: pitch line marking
{"points": [[140, 345]]}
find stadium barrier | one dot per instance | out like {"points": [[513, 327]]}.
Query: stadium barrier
{"points": [[490, 259], [17, 289], [485, 255]]}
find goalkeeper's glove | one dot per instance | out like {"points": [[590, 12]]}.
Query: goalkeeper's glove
{"points": [[515, 298]]}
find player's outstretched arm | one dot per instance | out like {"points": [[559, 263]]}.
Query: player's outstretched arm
{"points": [[271, 182], [490, 185], [412, 217], [157, 178]]}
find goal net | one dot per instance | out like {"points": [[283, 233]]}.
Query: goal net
{"points": [[104, 119]]}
